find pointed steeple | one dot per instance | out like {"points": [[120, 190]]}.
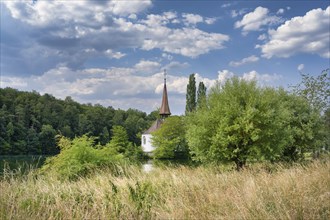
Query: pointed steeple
{"points": [[165, 108]]}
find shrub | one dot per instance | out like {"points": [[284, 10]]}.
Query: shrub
{"points": [[78, 157]]}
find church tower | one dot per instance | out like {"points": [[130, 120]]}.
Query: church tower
{"points": [[164, 112]]}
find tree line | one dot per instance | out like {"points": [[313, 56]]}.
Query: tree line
{"points": [[29, 122]]}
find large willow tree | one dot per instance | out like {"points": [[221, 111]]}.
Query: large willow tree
{"points": [[241, 122]]}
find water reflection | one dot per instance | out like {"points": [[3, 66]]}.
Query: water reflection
{"points": [[148, 166]]}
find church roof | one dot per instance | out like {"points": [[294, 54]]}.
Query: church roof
{"points": [[165, 108], [155, 126]]}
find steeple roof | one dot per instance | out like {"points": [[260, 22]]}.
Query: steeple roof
{"points": [[165, 108]]}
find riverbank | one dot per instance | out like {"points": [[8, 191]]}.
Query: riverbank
{"points": [[297, 192]]}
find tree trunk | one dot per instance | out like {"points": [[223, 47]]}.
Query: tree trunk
{"points": [[239, 164]]}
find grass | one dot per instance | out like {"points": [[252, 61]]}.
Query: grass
{"points": [[296, 192]]}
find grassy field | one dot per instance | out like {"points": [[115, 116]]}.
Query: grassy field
{"points": [[297, 192]]}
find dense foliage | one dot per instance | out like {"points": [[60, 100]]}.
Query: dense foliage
{"points": [[191, 94], [243, 122], [29, 122], [170, 140], [79, 157], [201, 95]]}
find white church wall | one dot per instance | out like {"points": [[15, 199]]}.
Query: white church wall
{"points": [[146, 143]]}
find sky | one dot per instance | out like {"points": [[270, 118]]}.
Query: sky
{"points": [[114, 53]]}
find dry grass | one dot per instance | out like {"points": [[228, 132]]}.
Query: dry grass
{"points": [[299, 192]]}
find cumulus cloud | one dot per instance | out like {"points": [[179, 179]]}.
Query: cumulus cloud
{"points": [[235, 13], [75, 32], [79, 12], [301, 67], [306, 34], [147, 66], [175, 65], [262, 37], [192, 19], [280, 11], [250, 59], [262, 79], [116, 55], [255, 20], [190, 42]]}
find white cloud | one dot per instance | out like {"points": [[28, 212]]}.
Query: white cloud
{"points": [[116, 55], [262, 79], [73, 32], [250, 59], [255, 20], [192, 19], [307, 34], [167, 56], [188, 42], [80, 12], [224, 75], [226, 5], [210, 20], [235, 13], [176, 65], [301, 67], [280, 11], [147, 66], [132, 16], [262, 37]]}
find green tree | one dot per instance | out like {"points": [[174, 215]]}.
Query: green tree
{"points": [[242, 122], [170, 140], [121, 144], [191, 94], [47, 140], [305, 126], [119, 140], [32, 142], [201, 95], [105, 136], [315, 89]]}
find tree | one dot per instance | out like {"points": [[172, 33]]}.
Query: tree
{"points": [[305, 126], [315, 89], [191, 94], [47, 140], [105, 136], [241, 123], [170, 140], [201, 95]]}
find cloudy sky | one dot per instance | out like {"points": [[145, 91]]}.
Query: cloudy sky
{"points": [[114, 52]]}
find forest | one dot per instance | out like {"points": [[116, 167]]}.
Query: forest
{"points": [[29, 122]]}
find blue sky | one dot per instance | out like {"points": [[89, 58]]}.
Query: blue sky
{"points": [[114, 52]]}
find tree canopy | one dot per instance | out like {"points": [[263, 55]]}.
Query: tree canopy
{"points": [[243, 122]]}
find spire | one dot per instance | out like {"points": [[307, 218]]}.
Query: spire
{"points": [[165, 108]]}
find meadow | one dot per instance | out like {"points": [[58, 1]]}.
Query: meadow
{"points": [[261, 191]]}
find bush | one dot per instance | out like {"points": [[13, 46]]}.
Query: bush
{"points": [[78, 157]]}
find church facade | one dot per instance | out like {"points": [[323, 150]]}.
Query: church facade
{"points": [[164, 112]]}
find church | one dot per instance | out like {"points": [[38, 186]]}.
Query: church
{"points": [[164, 112]]}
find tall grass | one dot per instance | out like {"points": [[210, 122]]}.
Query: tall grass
{"points": [[297, 192]]}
